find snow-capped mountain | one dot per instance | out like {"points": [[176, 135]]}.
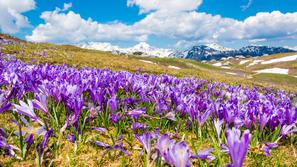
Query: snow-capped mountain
{"points": [[201, 52], [104, 46], [216, 46], [216, 52], [259, 50], [142, 49]]}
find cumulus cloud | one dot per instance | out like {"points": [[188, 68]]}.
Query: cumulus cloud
{"points": [[271, 25], [71, 27], [185, 24], [11, 14], [165, 5]]}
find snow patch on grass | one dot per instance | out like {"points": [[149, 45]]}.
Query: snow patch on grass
{"points": [[217, 64], [243, 62], [174, 67], [282, 59], [274, 71], [255, 62]]}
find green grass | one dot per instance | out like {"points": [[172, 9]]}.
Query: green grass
{"points": [[77, 57], [87, 154]]}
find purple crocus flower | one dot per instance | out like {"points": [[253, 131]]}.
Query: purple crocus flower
{"points": [[29, 140], [45, 139], [179, 154], [40, 147], [218, 126], [145, 140], [3, 133], [170, 116], [26, 109], [238, 147], [99, 129], [40, 103], [4, 105], [117, 145], [136, 113], [206, 155], [264, 118], [101, 144], [113, 103], [137, 125], [267, 147], [202, 117], [115, 118], [287, 129], [163, 144], [71, 137], [8, 149]]}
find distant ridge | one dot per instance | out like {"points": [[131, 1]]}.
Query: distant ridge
{"points": [[209, 52]]}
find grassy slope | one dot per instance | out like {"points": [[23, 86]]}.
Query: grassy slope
{"points": [[74, 56], [91, 156], [287, 81]]}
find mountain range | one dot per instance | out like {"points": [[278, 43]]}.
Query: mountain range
{"points": [[207, 52], [200, 52], [142, 49]]}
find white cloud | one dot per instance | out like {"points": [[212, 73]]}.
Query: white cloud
{"points": [[11, 14], [257, 40], [184, 24], [271, 25], [70, 27], [165, 5], [192, 26]]}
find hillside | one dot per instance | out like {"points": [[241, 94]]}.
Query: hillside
{"points": [[278, 68], [106, 116], [78, 57]]}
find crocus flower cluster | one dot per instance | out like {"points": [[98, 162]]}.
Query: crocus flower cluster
{"points": [[63, 101]]}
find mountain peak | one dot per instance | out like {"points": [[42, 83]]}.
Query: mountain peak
{"points": [[218, 47]]}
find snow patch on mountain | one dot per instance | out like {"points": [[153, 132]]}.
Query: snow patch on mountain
{"points": [[218, 47], [243, 62], [142, 49]]}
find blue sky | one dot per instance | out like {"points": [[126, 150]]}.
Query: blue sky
{"points": [[161, 23]]}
